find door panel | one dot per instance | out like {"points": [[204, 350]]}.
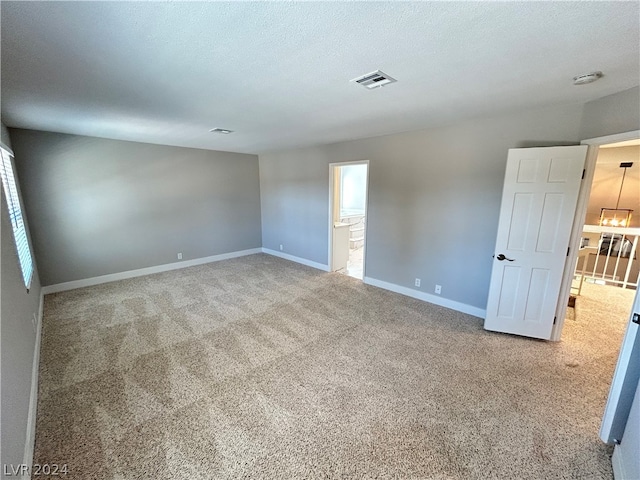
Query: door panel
{"points": [[508, 291], [549, 223], [538, 204], [560, 171], [536, 295], [520, 219]]}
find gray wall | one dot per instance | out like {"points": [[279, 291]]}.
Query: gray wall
{"points": [[17, 342], [617, 113], [102, 206], [434, 198]]}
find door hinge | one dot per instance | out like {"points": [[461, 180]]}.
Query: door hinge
{"points": [[568, 248], [583, 172], [554, 320]]}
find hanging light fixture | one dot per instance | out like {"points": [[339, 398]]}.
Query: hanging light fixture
{"points": [[617, 217]]}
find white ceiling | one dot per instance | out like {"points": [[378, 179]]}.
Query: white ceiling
{"points": [[277, 73]]}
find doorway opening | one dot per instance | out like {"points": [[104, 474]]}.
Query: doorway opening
{"points": [[604, 253], [607, 265], [348, 217], [618, 249]]}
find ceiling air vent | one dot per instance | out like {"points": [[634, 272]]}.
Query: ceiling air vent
{"points": [[224, 131], [374, 79]]}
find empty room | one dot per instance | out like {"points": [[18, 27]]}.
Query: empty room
{"points": [[286, 240]]}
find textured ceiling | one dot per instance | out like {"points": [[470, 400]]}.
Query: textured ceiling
{"points": [[278, 72]]}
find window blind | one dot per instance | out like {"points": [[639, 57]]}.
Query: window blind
{"points": [[17, 221]]}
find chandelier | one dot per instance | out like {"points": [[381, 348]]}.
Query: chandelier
{"points": [[617, 217]]}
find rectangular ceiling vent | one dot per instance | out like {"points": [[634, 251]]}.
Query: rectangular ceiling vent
{"points": [[374, 79]]}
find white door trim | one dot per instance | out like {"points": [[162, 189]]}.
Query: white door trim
{"points": [[331, 206], [578, 222], [615, 138]]}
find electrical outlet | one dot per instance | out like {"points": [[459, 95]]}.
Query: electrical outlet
{"points": [[281, 248], [417, 282], [438, 289], [180, 256]]}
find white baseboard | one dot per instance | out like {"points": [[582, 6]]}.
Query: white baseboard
{"points": [[30, 440], [443, 302], [303, 261], [113, 277]]}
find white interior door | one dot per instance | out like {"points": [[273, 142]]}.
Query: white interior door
{"points": [[539, 198]]}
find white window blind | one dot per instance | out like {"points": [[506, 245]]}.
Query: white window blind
{"points": [[15, 214]]}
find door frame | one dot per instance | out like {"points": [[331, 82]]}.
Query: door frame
{"points": [[332, 183], [578, 222]]}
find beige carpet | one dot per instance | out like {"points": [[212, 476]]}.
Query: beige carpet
{"points": [[261, 368]]}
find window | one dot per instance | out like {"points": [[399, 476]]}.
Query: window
{"points": [[15, 214], [353, 184]]}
